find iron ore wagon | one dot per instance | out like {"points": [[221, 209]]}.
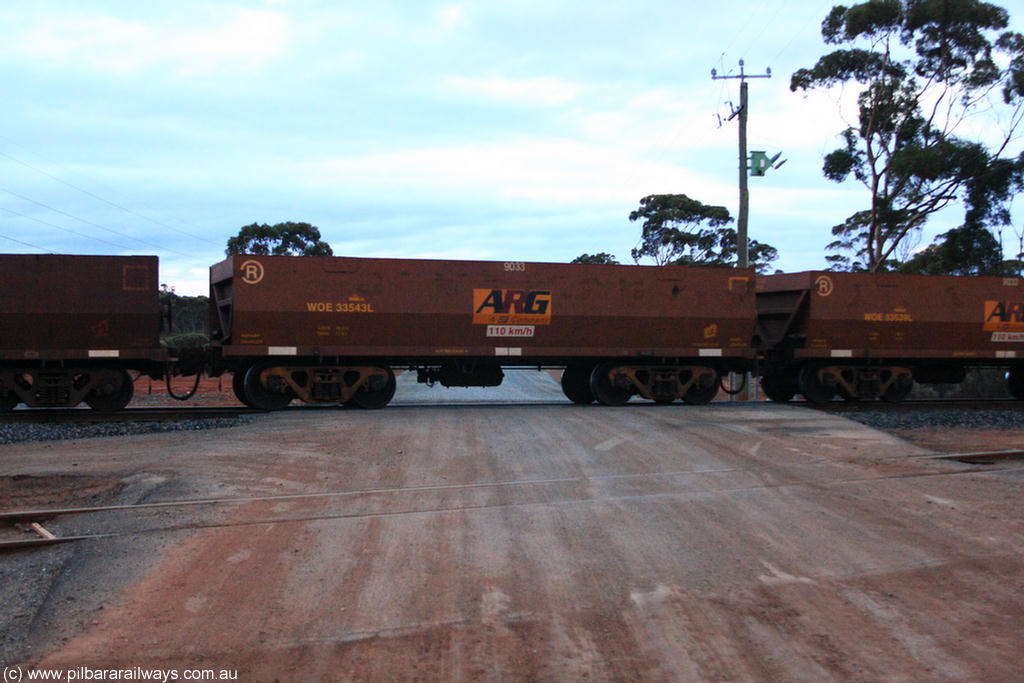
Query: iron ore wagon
{"points": [[332, 330], [863, 335], [71, 327]]}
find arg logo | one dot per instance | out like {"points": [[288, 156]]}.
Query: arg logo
{"points": [[511, 307], [1004, 316]]}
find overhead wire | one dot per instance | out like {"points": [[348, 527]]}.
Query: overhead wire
{"points": [[59, 227], [798, 32], [105, 200], [28, 244], [88, 222], [765, 25]]}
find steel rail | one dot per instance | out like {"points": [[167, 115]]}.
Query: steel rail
{"points": [[977, 460]]}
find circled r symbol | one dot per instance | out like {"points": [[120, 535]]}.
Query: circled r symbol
{"points": [[823, 285], [252, 272]]}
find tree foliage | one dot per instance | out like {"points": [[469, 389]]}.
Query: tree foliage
{"points": [[678, 230], [925, 67], [602, 259], [961, 251], [183, 314], [281, 239]]}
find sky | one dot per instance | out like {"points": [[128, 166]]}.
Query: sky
{"points": [[507, 131]]}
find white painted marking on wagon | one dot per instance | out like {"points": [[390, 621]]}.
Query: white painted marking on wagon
{"points": [[842, 353], [282, 351], [104, 353], [709, 352]]}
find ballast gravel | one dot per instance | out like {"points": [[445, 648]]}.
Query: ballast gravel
{"points": [[932, 419], [21, 432]]}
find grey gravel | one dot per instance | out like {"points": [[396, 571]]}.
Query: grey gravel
{"points": [[925, 419], [21, 432]]}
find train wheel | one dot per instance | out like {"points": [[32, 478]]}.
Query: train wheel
{"points": [[701, 392], [576, 384], [374, 399], [115, 393], [778, 388], [8, 400], [262, 397], [896, 394], [1015, 382], [238, 386], [604, 388], [898, 389], [813, 389]]}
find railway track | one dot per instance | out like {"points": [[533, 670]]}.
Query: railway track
{"points": [[170, 414], [165, 414], [30, 521]]}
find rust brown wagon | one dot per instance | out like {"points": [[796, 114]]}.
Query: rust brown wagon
{"points": [[331, 330], [862, 335], [71, 327]]}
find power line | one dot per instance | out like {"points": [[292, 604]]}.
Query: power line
{"points": [[799, 31], [27, 244], [756, 25], [104, 200], [73, 232], [95, 225]]}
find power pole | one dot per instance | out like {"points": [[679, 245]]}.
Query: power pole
{"points": [[741, 223]]}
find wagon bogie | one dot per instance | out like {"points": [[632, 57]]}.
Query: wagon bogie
{"points": [[820, 382], [614, 383], [273, 384], [101, 387]]}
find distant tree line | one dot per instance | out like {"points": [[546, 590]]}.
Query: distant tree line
{"points": [[183, 313]]}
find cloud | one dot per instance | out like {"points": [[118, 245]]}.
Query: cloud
{"points": [[544, 90], [233, 39], [557, 171], [450, 18]]}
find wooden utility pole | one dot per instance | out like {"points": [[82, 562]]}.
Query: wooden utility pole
{"points": [[741, 222]]}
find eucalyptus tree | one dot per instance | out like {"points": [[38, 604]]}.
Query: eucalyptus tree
{"points": [[940, 99], [678, 230], [280, 239]]}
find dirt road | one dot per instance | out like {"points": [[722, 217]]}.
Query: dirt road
{"points": [[535, 542]]}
